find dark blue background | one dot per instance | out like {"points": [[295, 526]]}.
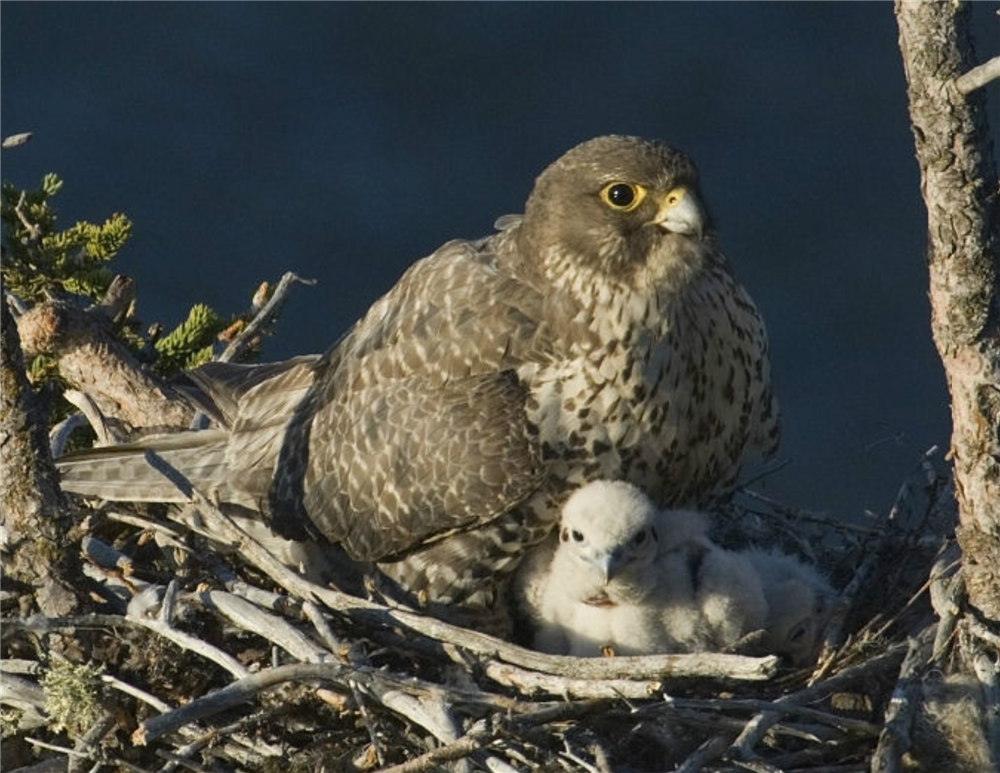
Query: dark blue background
{"points": [[344, 141]]}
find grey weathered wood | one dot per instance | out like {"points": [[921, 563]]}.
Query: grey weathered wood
{"points": [[92, 359], [959, 184]]}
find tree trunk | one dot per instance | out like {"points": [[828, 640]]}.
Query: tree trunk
{"points": [[37, 520], [959, 184]]}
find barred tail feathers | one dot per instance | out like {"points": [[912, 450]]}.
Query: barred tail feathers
{"points": [[124, 473]]}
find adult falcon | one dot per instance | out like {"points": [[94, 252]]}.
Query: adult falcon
{"points": [[600, 335]]}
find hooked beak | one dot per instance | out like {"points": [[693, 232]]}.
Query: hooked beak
{"points": [[608, 565], [680, 213]]}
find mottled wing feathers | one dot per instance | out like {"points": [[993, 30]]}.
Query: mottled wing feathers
{"points": [[463, 311], [415, 426], [418, 460]]}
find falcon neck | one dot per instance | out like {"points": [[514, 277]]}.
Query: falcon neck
{"points": [[619, 304]]}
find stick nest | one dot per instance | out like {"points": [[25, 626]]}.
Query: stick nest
{"points": [[202, 659], [199, 651]]}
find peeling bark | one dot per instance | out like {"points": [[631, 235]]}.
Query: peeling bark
{"points": [[92, 359], [37, 519], [959, 185]]}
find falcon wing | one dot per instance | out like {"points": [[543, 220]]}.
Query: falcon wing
{"points": [[225, 390], [465, 310], [413, 461], [415, 426]]}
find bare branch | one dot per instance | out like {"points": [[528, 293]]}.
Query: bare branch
{"points": [[947, 589], [91, 358], [537, 683], [54, 748], [757, 727], [473, 741], [709, 750], [59, 434], [267, 312], [271, 627], [88, 741], [250, 686], [979, 76], [135, 692], [895, 739], [162, 626], [22, 693], [34, 232]]}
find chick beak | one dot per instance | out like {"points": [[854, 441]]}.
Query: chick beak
{"points": [[680, 213], [608, 565], [605, 566]]}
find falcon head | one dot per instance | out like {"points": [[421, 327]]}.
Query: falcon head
{"points": [[622, 208], [608, 533]]}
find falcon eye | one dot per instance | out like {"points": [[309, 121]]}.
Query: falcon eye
{"points": [[622, 196], [639, 538], [577, 536]]}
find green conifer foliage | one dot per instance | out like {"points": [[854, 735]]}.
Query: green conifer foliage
{"points": [[190, 343], [38, 259], [41, 261]]}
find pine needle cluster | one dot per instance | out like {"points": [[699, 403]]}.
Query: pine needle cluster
{"points": [[42, 262]]}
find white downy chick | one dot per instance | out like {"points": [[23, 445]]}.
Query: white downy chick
{"points": [[593, 592], [709, 598], [799, 600], [619, 575]]}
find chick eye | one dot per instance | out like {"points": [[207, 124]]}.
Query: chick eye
{"points": [[622, 196], [577, 536], [639, 538], [798, 632]]}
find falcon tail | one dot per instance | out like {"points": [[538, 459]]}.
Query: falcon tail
{"points": [[124, 472]]}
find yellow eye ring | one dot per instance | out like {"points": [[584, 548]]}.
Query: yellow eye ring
{"points": [[623, 197]]}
